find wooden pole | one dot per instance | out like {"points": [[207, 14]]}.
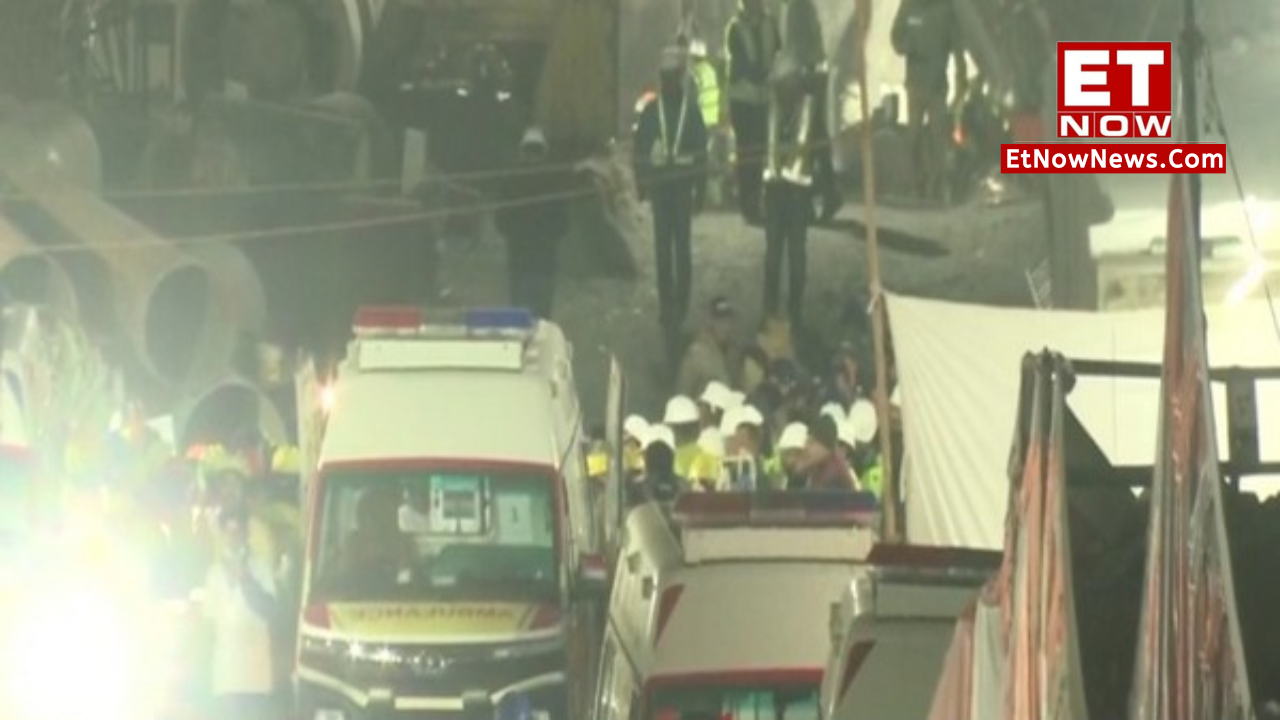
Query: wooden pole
{"points": [[889, 501]]}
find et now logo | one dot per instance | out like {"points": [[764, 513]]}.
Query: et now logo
{"points": [[1115, 90]]}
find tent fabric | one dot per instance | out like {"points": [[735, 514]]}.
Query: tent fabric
{"points": [[987, 694], [1190, 659], [958, 366], [952, 697], [1020, 653]]}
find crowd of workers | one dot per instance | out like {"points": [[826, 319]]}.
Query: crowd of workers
{"points": [[753, 419]]}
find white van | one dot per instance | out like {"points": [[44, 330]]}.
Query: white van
{"points": [[719, 608], [893, 626], [451, 566]]}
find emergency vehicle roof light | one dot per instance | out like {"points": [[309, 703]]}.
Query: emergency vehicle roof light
{"points": [[466, 323], [807, 508]]}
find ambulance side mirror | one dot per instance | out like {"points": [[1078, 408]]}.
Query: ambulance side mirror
{"points": [[592, 582]]}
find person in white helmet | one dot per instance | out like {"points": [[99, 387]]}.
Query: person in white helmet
{"points": [[865, 424], [534, 220], [744, 462], [785, 469], [669, 154], [661, 481], [634, 431], [712, 402], [707, 472], [681, 416]]}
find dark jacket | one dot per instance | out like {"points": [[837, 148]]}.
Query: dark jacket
{"points": [[685, 144], [535, 205], [751, 49]]}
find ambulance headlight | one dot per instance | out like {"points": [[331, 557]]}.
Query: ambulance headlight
{"points": [[74, 653]]}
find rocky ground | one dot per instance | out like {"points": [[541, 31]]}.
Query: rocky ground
{"points": [[606, 316]]}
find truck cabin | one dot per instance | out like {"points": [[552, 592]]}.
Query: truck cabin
{"points": [[891, 630], [765, 562]]}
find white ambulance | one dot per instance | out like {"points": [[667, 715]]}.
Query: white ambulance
{"points": [[451, 569], [893, 627], [720, 607]]}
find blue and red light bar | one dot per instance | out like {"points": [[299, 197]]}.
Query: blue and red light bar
{"points": [[807, 508], [409, 319]]}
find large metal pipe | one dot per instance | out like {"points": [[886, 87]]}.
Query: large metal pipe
{"points": [[177, 310], [30, 277], [227, 410]]}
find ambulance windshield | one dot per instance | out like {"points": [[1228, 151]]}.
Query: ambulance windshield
{"points": [[780, 702], [402, 535]]}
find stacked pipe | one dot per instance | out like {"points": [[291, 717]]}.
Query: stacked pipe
{"points": [[185, 313], [30, 277]]}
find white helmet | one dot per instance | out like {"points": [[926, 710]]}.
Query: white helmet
{"points": [[847, 433], [697, 48], [716, 395], [660, 434], [794, 437], [635, 428], [680, 410], [739, 416], [735, 399], [834, 411], [863, 420]]}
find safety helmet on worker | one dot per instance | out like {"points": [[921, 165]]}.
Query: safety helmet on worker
{"points": [[680, 410]]}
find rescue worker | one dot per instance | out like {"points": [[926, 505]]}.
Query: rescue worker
{"points": [[634, 431], [845, 384], [926, 33], [240, 601], [864, 424], [709, 356], [712, 403], [826, 467], [670, 156], [751, 41], [681, 416], [662, 482], [706, 77], [788, 192], [744, 463], [785, 468], [534, 220], [802, 41], [707, 471]]}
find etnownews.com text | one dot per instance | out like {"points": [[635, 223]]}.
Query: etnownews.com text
{"points": [[1113, 158]]}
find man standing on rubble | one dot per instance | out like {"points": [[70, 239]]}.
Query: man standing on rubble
{"points": [[533, 219], [670, 156], [802, 40], [925, 33], [752, 41]]}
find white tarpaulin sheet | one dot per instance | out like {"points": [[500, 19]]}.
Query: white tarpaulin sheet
{"points": [[959, 368]]}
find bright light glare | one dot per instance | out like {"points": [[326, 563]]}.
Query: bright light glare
{"points": [[1248, 282], [328, 398], [74, 655], [1260, 220]]}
